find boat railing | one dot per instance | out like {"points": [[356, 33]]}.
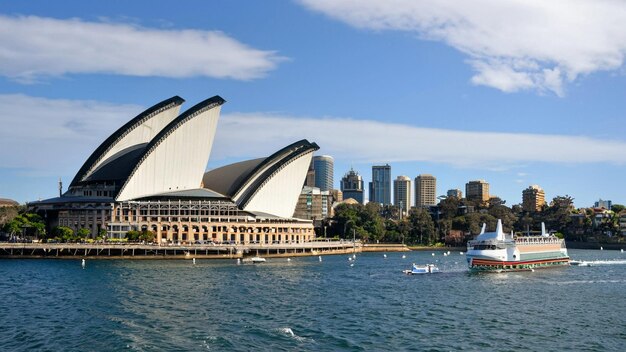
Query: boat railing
{"points": [[530, 240]]}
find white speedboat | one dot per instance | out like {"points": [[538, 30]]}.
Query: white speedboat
{"points": [[254, 260], [423, 269]]}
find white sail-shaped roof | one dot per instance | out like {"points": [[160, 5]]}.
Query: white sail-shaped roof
{"points": [[138, 131], [275, 184], [176, 158]]}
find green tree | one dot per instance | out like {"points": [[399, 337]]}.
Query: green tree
{"points": [[505, 214], [617, 208], [449, 207], [132, 235], [63, 233], [422, 229], [147, 236], [83, 233], [557, 216], [29, 224]]}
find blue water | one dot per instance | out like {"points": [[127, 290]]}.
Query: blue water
{"points": [[307, 305]]}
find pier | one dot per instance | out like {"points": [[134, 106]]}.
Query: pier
{"points": [[153, 251]]}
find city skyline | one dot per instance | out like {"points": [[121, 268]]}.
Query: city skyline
{"points": [[543, 106]]}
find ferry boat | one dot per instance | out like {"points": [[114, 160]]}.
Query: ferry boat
{"points": [[497, 251]]}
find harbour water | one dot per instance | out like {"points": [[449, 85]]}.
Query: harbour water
{"points": [[309, 305]]}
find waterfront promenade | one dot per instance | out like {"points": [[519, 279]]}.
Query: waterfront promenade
{"points": [[153, 251]]}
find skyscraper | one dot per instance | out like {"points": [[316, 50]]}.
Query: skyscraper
{"points": [[402, 193], [533, 198], [477, 191], [352, 186], [380, 187], [425, 190], [324, 174]]}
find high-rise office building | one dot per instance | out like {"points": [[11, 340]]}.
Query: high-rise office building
{"points": [[477, 191], [425, 190], [402, 193], [310, 176], [533, 198], [457, 193], [352, 186], [606, 204], [380, 187], [324, 174]]}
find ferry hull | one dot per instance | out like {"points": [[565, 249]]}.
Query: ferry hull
{"points": [[483, 264]]}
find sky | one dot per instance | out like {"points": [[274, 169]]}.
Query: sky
{"points": [[513, 92]]}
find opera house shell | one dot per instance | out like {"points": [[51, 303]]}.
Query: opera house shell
{"points": [[150, 175]]}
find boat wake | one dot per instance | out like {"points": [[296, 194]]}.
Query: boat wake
{"points": [[288, 332], [597, 262]]}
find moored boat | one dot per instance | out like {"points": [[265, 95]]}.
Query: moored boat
{"points": [[497, 251], [254, 260]]}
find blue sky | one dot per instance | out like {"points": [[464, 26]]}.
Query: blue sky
{"points": [[516, 93]]}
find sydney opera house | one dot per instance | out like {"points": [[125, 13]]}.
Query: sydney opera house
{"points": [[150, 175]]}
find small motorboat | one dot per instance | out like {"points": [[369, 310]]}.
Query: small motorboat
{"points": [[423, 269], [254, 260]]}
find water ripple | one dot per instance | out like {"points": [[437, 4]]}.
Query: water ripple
{"points": [[307, 305]]}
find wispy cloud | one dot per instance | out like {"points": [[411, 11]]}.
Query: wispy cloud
{"points": [[32, 48], [41, 134], [373, 141], [512, 45]]}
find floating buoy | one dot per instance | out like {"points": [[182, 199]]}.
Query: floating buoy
{"points": [[351, 264], [238, 261], [350, 259], [622, 250], [320, 257], [445, 254], [448, 252], [354, 256], [194, 261], [433, 254], [461, 253], [403, 256], [601, 248], [83, 263], [384, 256], [288, 259]]}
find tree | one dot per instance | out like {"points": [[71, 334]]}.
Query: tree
{"points": [[422, 227], [617, 208], [83, 233], [63, 233], [27, 224], [505, 214], [133, 235], [449, 207], [558, 215], [147, 236]]}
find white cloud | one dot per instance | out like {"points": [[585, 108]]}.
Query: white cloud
{"points": [[35, 47], [512, 45], [52, 136], [372, 141], [47, 136]]}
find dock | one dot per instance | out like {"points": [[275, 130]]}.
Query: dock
{"points": [[153, 251]]}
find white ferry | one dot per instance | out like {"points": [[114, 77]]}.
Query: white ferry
{"points": [[497, 251]]}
